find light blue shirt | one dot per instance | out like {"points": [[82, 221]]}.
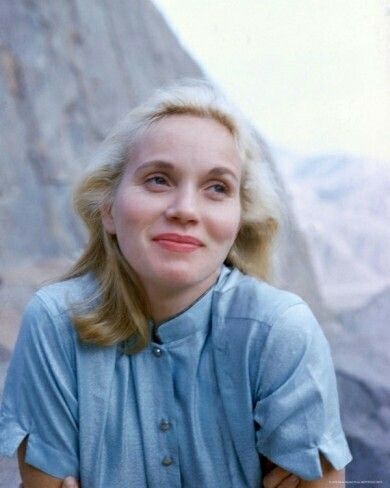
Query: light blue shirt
{"points": [[245, 370]]}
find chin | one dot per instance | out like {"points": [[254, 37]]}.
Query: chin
{"points": [[180, 274], [177, 276]]}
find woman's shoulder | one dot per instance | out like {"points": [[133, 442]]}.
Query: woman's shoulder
{"points": [[248, 297], [47, 317], [269, 322], [60, 297], [46, 327]]}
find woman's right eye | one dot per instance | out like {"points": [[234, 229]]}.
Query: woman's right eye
{"points": [[158, 180]]}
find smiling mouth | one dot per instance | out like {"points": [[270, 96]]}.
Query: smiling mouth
{"points": [[181, 238], [175, 246]]}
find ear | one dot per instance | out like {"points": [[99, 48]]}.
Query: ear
{"points": [[107, 218]]}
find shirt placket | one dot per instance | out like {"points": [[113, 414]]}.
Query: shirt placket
{"points": [[165, 421]]}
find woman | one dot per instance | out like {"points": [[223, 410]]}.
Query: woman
{"points": [[164, 358]]}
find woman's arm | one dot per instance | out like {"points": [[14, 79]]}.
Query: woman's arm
{"points": [[41, 391], [32, 477], [297, 412], [280, 478]]}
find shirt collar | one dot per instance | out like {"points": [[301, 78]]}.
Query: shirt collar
{"points": [[193, 319]]}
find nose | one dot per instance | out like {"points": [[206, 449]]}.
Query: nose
{"points": [[184, 206]]}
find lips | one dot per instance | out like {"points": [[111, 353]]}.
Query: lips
{"points": [[182, 239]]}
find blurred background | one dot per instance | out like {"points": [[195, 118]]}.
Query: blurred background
{"points": [[313, 77]]}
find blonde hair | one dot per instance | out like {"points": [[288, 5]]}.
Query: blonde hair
{"points": [[121, 310]]}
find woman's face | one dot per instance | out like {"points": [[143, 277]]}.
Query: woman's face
{"points": [[183, 179]]}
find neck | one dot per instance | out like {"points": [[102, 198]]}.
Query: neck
{"points": [[165, 304]]}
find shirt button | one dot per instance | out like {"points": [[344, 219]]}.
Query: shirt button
{"points": [[165, 425], [157, 352], [167, 461]]}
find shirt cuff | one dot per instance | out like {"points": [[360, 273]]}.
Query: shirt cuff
{"points": [[306, 463], [11, 435], [50, 460], [39, 454]]}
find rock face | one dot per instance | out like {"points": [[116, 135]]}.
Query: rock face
{"points": [[362, 355], [352, 195]]}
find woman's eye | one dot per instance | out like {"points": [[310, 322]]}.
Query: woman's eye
{"points": [[158, 180], [219, 188]]}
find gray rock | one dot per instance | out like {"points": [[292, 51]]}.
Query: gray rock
{"points": [[9, 473], [362, 355]]}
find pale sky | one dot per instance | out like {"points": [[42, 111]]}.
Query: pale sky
{"points": [[312, 75]]}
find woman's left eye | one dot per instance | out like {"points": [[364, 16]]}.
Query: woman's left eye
{"points": [[220, 188]]}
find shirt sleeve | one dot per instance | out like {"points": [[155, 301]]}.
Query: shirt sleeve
{"points": [[297, 408], [40, 393]]}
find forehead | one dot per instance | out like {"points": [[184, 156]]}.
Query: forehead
{"points": [[186, 136]]}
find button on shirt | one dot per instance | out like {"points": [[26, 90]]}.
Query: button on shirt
{"points": [[244, 370]]}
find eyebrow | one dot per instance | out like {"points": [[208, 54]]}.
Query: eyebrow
{"points": [[217, 171]]}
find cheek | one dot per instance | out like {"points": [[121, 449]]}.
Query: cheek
{"points": [[131, 218], [131, 211], [224, 227]]}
